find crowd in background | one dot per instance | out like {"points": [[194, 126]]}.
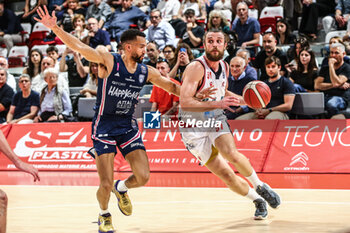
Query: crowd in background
{"points": [[280, 55]]}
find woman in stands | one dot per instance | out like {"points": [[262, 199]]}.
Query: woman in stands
{"points": [[197, 5], [284, 35], [169, 54], [183, 56], [34, 64], [305, 74], [218, 20], [54, 102], [73, 9], [294, 52], [90, 87], [79, 25]]}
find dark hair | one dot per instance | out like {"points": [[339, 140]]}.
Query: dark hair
{"points": [[269, 33], [311, 67], [188, 50], [272, 59], [288, 31], [130, 35], [189, 12], [30, 69], [52, 48], [155, 43], [169, 46], [304, 43]]}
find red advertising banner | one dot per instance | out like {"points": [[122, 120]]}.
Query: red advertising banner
{"points": [[317, 146]]}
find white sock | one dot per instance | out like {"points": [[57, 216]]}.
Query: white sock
{"points": [[254, 180], [104, 212], [121, 186], [252, 194]]}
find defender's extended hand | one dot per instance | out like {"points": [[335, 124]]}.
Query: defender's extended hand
{"points": [[228, 101], [45, 18]]}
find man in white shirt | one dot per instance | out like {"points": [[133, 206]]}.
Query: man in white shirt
{"points": [[11, 81], [169, 9]]}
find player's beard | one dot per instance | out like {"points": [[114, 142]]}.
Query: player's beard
{"points": [[212, 57], [137, 58]]}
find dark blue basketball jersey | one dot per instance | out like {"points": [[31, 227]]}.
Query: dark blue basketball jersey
{"points": [[117, 96]]}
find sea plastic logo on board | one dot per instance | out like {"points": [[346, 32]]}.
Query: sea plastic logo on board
{"points": [[298, 163], [40, 146]]}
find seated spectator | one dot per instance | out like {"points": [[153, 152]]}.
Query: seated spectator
{"points": [[270, 49], [284, 34], [54, 102], [73, 9], [225, 7], [333, 80], [25, 103], [72, 63], [194, 33], [34, 64], [160, 31], [169, 54], [123, 17], [11, 81], [341, 17], [333, 40], [294, 51], [282, 94], [6, 94], [79, 26], [100, 11], [10, 27], [183, 56], [90, 87], [167, 104], [218, 21], [247, 28], [236, 83], [152, 52], [198, 7], [169, 9], [311, 11], [306, 73], [30, 8], [250, 72], [97, 36], [52, 51]]}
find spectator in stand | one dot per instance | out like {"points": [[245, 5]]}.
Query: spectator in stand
{"points": [[152, 52], [342, 14], [311, 11], [52, 51], [11, 81], [30, 8], [100, 10], [72, 63], [162, 101], [282, 94], [169, 54], [25, 103], [250, 72], [270, 49], [294, 52], [55, 5], [54, 101], [247, 28], [123, 17], [194, 33], [73, 9], [34, 64], [333, 40], [90, 87], [169, 9], [218, 20], [160, 31], [236, 83], [80, 30], [333, 80], [284, 34], [225, 7], [97, 36], [306, 73], [197, 6], [10, 27], [6, 94], [183, 56]]}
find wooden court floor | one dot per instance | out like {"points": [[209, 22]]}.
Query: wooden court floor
{"points": [[74, 209]]}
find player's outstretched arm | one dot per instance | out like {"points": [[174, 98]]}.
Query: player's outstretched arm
{"points": [[7, 151], [164, 83], [191, 81], [240, 98], [69, 40]]}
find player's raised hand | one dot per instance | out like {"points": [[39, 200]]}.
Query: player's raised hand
{"points": [[207, 93], [228, 101], [45, 18]]}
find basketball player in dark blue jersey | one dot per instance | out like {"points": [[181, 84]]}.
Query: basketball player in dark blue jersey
{"points": [[121, 78]]}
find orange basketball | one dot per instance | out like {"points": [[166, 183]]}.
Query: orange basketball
{"points": [[257, 94]]}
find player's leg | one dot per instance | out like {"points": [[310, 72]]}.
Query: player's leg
{"points": [[227, 148], [218, 166], [3, 211]]}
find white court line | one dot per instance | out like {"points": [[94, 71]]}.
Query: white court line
{"points": [[201, 202]]}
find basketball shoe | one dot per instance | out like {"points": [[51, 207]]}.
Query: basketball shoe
{"points": [[269, 195], [261, 210], [124, 202], [105, 223]]}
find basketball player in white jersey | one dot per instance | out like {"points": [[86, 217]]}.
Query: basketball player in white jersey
{"points": [[214, 146]]}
